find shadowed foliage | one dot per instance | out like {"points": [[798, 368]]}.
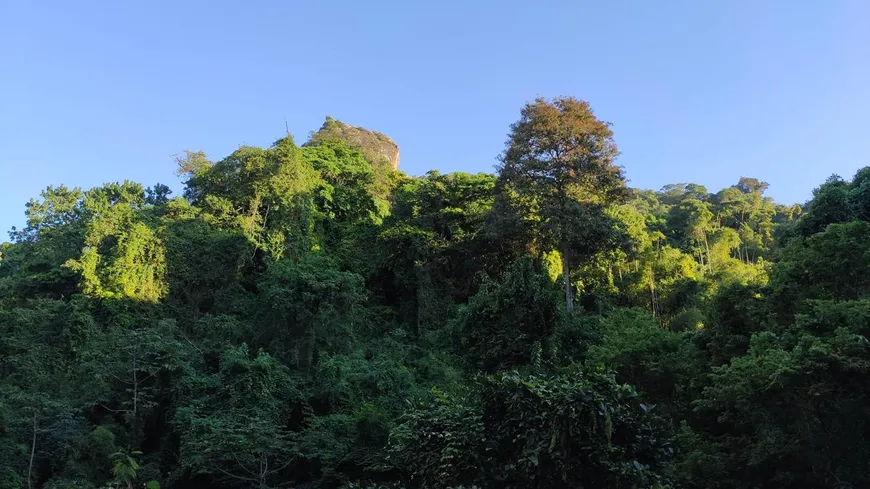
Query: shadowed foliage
{"points": [[309, 317]]}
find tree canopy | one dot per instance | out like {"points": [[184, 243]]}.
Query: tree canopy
{"points": [[309, 316]]}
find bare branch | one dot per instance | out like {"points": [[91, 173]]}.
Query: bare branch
{"points": [[279, 469], [152, 375], [107, 408], [242, 465], [234, 476], [119, 379]]}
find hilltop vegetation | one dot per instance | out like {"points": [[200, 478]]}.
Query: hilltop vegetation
{"points": [[304, 316]]}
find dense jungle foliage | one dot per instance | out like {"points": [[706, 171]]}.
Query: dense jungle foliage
{"points": [[305, 317]]}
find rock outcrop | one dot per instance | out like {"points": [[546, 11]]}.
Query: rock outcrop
{"points": [[373, 145]]}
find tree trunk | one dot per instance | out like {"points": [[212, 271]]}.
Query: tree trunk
{"points": [[709, 258], [421, 296], [652, 292], [419, 327], [312, 349], [32, 454], [264, 469], [566, 273], [135, 390]]}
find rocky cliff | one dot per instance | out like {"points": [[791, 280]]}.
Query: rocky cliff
{"points": [[373, 145]]}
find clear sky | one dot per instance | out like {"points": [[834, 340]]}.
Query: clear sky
{"points": [[697, 91]]}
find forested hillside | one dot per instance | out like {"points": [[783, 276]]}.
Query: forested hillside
{"points": [[306, 317]]}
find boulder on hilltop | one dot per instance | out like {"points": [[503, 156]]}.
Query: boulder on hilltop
{"points": [[373, 145]]}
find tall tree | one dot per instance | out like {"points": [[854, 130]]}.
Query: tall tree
{"points": [[559, 162]]}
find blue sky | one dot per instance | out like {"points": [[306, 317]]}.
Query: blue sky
{"points": [[697, 91]]}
